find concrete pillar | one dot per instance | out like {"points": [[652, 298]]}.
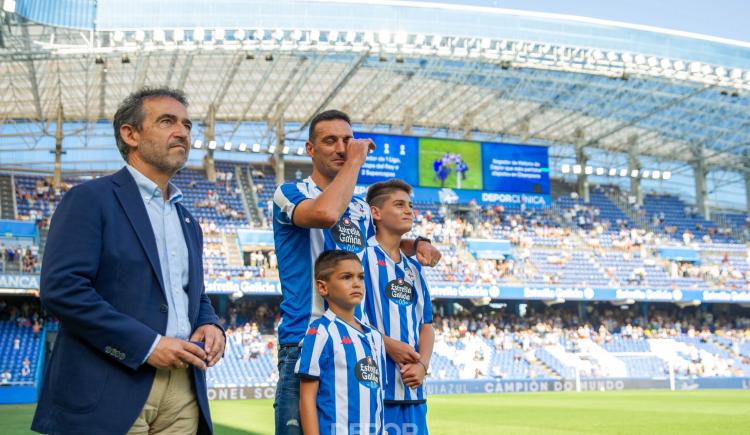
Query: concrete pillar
{"points": [[209, 165], [634, 164], [582, 182], [57, 175], [278, 155], [700, 172]]}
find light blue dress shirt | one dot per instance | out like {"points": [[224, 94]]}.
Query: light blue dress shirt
{"points": [[173, 252]]}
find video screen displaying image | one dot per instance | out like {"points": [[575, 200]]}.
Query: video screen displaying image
{"points": [[450, 163]]}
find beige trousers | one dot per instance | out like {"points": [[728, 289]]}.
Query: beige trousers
{"points": [[171, 407]]}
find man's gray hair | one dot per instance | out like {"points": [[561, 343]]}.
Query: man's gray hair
{"points": [[130, 111]]}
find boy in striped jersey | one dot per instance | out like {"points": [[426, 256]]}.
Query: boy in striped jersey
{"points": [[397, 303], [342, 359]]}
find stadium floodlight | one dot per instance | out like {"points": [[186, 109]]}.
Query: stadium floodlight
{"points": [[666, 175], [256, 147], [259, 34], [599, 171], [159, 35], [9, 6], [272, 149], [612, 56], [178, 35], [623, 172], [645, 173], [368, 38], [351, 36], [665, 64], [612, 172], [401, 38], [227, 146], [285, 150], [640, 59], [634, 173], [118, 36], [199, 34], [627, 58], [679, 65], [315, 35], [565, 168], [297, 34], [695, 67], [198, 143], [656, 174], [140, 35], [588, 170], [576, 169], [300, 151], [707, 69], [219, 34], [384, 37], [278, 34], [736, 74], [721, 72], [653, 61], [239, 35], [212, 145], [243, 146]]}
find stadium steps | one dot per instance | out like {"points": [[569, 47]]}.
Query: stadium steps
{"points": [[7, 197], [249, 196], [234, 256], [625, 208]]}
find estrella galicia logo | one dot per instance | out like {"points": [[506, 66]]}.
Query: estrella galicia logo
{"points": [[347, 235], [400, 292], [367, 373]]}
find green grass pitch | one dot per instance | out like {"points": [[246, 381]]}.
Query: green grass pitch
{"points": [[471, 153], [624, 412]]}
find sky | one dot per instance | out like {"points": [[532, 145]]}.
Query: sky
{"points": [[723, 18]]}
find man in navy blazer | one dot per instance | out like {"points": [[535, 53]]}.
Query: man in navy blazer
{"points": [[123, 272]]}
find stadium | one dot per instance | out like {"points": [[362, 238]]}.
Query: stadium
{"points": [[586, 181]]}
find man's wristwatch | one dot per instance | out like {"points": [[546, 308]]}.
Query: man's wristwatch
{"points": [[420, 239]]}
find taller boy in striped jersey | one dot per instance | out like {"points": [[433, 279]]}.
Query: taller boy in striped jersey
{"points": [[398, 304]]}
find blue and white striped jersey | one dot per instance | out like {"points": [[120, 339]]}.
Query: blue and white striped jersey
{"points": [[349, 366], [297, 249], [397, 303]]}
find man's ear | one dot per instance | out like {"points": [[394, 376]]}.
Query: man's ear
{"points": [[309, 147], [130, 135], [320, 285]]}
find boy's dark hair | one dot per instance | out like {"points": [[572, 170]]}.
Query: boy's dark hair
{"points": [[378, 192], [130, 111], [327, 261], [328, 115]]}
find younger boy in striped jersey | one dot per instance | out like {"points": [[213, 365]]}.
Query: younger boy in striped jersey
{"points": [[397, 303], [342, 360]]}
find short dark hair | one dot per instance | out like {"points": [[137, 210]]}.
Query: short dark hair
{"points": [[378, 192], [328, 115], [130, 111], [328, 260]]}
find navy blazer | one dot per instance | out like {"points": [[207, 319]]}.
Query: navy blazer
{"points": [[101, 277]]}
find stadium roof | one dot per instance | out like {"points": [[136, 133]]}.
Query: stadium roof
{"points": [[404, 66]]}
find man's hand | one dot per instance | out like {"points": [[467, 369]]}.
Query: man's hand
{"points": [[214, 340], [428, 255], [413, 374], [174, 353], [400, 352], [358, 149]]}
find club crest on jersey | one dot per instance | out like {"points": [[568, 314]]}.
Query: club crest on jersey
{"points": [[366, 372], [400, 292], [347, 235], [409, 275]]}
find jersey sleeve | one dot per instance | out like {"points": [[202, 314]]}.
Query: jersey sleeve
{"points": [[427, 308], [316, 352], [285, 200]]}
